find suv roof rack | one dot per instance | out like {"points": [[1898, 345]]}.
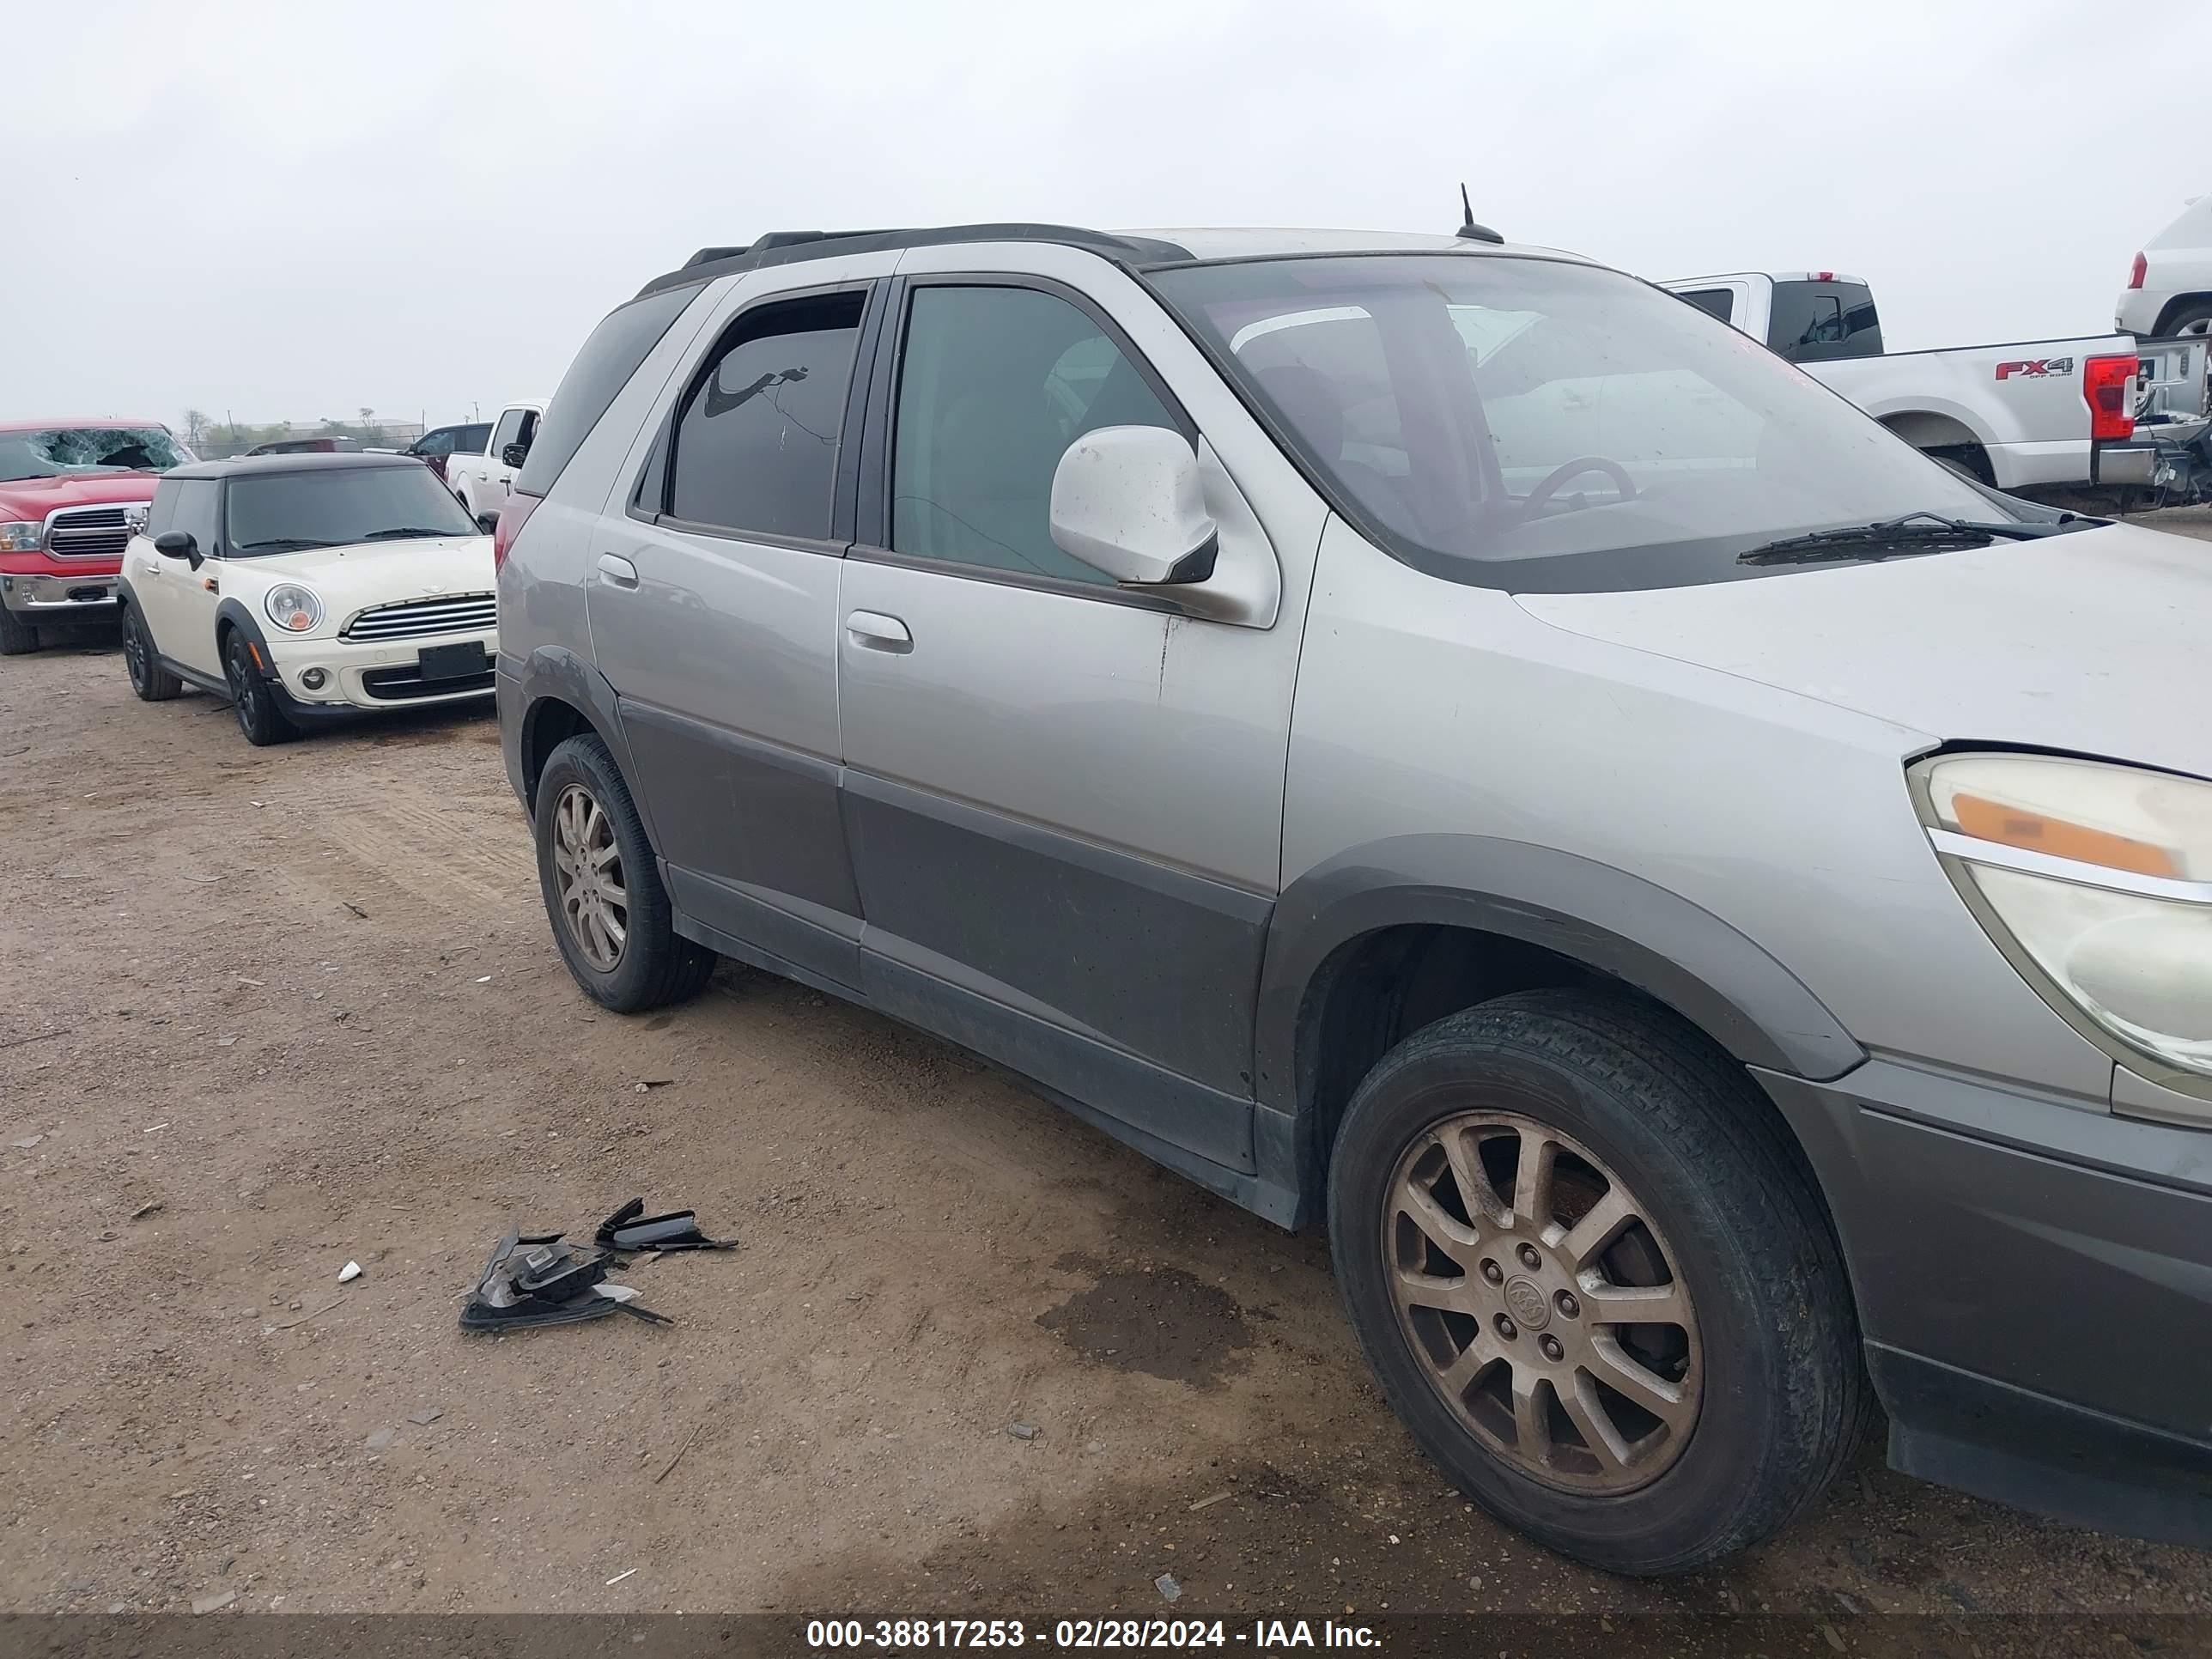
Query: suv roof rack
{"points": [[779, 247]]}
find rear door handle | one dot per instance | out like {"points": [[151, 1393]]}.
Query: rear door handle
{"points": [[618, 570], [877, 632]]}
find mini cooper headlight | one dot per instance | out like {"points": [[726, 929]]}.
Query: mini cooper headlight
{"points": [[292, 608], [2096, 880]]}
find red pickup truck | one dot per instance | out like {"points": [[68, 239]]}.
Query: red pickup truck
{"points": [[71, 493]]}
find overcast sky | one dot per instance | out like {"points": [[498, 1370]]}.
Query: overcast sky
{"points": [[294, 210]]}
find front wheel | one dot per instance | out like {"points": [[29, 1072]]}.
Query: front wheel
{"points": [[612, 918], [259, 718], [152, 682], [1594, 1281], [17, 637]]}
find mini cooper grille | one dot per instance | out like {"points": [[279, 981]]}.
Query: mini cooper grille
{"points": [[88, 533], [459, 613]]}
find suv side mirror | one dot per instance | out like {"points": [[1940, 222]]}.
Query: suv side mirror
{"points": [[1128, 499], [515, 455], [177, 544]]}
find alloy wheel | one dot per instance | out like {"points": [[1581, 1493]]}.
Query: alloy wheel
{"points": [[237, 672], [136, 656], [1541, 1302], [587, 872]]}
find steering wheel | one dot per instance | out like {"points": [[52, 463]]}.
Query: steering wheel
{"points": [[1542, 493]]}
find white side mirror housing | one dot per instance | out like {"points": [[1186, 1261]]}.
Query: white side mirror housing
{"points": [[1129, 501]]}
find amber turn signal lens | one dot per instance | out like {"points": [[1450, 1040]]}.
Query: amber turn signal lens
{"points": [[2037, 832]]}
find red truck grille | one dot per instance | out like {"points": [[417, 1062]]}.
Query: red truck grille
{"points": [[88, 533]]}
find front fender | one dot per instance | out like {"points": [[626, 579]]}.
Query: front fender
{"points": [[1601, 917]]}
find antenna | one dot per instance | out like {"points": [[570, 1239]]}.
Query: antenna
{"points": [[1469, 230]]}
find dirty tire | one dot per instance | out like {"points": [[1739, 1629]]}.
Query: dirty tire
{"points": [[152, 682], [260, 722], [17, 637], [657, 966], [1783, 1395]]}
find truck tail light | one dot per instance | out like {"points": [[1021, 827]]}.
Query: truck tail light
{"points": [[2107, 384], [517, 512], [2137, 271]]}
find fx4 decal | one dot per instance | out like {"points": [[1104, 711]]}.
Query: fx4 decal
{"points": [[2037, 369]]}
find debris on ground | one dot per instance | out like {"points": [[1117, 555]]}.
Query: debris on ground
{"points": [[350, 1272], [1208, 1503], [214, 1603], [535, 1278], [647, 1085], [145, 1210], [619, 1578], [1022, 1431], [1166, 1585], [426, 1417], [630, 1230]]}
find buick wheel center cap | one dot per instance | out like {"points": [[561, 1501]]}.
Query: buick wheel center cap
{"points": [[1529, 1304]]}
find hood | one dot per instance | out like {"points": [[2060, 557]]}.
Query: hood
{"points": [[349, 579], [33, 498], [2091, 642]]}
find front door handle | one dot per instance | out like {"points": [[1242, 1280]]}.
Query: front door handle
{"points": [[618, 570], [877, 632]]}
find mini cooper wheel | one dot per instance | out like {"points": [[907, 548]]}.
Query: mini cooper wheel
{"points": [[152, 682], [1594, 1279], [251, 698], [612, 918]]}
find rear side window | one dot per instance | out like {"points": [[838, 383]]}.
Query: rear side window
{"points": [[755, 442], [620, 342], [1818, 322], [471, 439], [1716, 301]]}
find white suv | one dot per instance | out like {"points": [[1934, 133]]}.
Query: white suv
{"points": [[307, 588], [2169, 291]]}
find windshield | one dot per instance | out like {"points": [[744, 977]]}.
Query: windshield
{"points": [[1540, 426], [337, 505], [66, 451]]}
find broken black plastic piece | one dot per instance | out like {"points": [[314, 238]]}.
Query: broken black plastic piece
{"points": [[534, 1279], [630, 1230]]}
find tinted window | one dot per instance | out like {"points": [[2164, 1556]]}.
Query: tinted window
{"points": [[337, 506], [1815, 322], [440, 442], [508, 431], [1714, 301], [471, 439], [755, 443], [602, 368], [192, 510], [161, 510], [995, 384]]}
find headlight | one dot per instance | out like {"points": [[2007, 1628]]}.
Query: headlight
{"points": [[20, 538], [292, 608], [2097, 880]]}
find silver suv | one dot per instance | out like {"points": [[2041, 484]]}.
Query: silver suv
{"points": [[1446, 741]]}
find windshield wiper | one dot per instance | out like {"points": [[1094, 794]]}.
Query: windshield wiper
{"points": [[284, 545], [1902, 537], [410, 531]]}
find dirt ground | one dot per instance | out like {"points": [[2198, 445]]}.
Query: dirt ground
{"points": [[269, 1012]]}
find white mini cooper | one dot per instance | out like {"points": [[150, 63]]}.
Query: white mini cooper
{"points": [[309, 588]]}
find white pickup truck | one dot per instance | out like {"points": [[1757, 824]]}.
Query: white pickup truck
{"points": [[2038, 415], [483, 481]]}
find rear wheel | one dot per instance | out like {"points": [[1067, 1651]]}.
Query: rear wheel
{"points": [[17, 637], [259, 717], [152, 682], [612, 917], [2194, 318], [1594, 1279]]}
